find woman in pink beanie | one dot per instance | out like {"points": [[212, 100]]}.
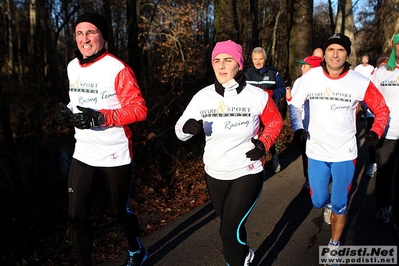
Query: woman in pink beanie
{"points": [[229, 113]]}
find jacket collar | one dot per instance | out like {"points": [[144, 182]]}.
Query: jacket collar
{"points": [[90, 59]]}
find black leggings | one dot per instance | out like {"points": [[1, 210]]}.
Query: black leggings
{"points": [[80, 191], [233, 201], [302, 147], [387, 154], [371, 148]]}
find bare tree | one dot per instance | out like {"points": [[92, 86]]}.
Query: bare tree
{"points": [[133, 33], [345, 24], [387, 16], [321, 25], [226, 20], [6, 28], [300, 41]]}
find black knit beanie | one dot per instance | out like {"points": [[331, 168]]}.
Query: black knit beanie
{"points": [[341, 39], [97, 20]]}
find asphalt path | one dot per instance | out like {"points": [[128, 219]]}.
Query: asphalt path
{"points": [[283, 229]]}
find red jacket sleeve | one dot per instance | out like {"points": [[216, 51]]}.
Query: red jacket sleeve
{"points": [[376, 102], [270, 92], [133, 107], [272, 122]]}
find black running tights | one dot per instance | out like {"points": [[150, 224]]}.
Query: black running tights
{"points": [[80, 191], [233, 201]]}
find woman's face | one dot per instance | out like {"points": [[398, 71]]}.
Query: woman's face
{"points": [[225, 67]]}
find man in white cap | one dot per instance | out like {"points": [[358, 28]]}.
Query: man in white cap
{"points": [[334, 92]]}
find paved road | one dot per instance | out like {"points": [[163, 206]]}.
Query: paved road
{"points": [[283, 229]]}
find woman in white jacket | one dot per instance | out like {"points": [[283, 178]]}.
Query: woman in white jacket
{"points": [[230, 112]]}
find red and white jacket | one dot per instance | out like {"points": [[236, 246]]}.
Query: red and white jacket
{"points": [[109, 86], [333, 103], [230, 122], [387, 82]]}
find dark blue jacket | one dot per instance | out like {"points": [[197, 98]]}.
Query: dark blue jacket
{"points": [[269, 79]]}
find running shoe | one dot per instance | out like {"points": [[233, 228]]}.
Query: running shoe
{"points": [[276, 163], [382, 215], [327, 213], [249, 258], [371, 170], [332, 260], [137, 258]]}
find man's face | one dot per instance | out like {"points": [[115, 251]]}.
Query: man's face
{"points": [[88, 39], [259, 60], [225, 67], [335, 57], [305, 68]]}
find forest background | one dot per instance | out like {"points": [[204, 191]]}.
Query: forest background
{"points": [[168, 44]]}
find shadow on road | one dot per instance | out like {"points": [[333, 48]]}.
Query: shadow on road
{"points": [[294, 215], [183, 231]]}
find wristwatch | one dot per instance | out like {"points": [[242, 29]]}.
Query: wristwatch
{"points": [[101, 119]]}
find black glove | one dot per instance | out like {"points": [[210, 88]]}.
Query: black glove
{"points": [[300, 135], [193, 127], [257, 152], [372, 138], [87, 119], [63, 115]]}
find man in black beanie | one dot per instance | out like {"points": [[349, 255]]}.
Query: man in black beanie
{"points": [[334, 92], [104, 99], [340, 39], [96, 19]]}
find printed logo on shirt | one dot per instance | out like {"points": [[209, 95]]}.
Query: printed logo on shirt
{"points": [[83, 101], [104, 95], [390, 82], [227, 111], [335, 107], [330, 95], [83, 87], [231, 125]]}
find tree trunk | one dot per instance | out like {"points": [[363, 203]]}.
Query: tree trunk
{"points": [[32, 28], [111, 36], [224, 20], [132, 37], [390, 23], [255, 23], [300, 42], [346, 25], [274, 39], [331, 13], [8, 66]]}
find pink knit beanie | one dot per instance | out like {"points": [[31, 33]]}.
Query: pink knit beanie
{"points": [[231, 48]]}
